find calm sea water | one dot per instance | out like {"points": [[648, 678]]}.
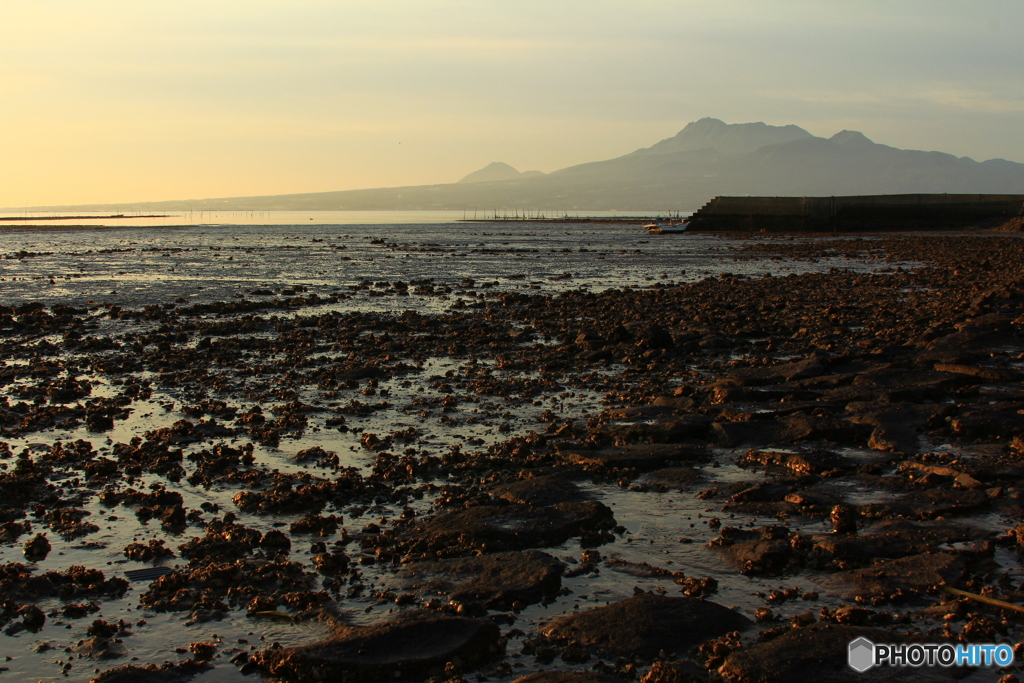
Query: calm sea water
{"points": [[210, 257]]}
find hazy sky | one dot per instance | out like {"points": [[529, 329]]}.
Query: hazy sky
{"points": [[143, 100]]}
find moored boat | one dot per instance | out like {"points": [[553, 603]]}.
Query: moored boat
{"points": [[668, 228]]}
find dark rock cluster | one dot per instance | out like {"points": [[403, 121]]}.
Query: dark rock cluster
{"points": [[874, 421]]}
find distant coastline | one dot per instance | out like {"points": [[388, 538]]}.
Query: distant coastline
{"points": [[79, 218], [83, 228]]}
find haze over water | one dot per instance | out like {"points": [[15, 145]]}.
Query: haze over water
{"points": [[329, 251]]}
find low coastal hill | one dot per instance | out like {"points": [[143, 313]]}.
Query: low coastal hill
{"points": [[497, 170], [707, 158]]}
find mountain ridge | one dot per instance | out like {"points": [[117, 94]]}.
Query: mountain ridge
{"points": [[706, 158], [727, 138], [497, 170]]}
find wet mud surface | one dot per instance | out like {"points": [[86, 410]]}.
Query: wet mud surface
{"points": [[724, 477]]}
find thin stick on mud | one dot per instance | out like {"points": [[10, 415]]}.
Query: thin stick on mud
{"points": [[982, 598]]}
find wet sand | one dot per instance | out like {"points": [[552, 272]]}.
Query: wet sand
{"points": [[729, 478]]}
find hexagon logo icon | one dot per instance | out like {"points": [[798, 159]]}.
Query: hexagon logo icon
{"points": [[862, 655]]}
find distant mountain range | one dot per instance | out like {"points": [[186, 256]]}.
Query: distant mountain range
{"points": [[705, 159], [498, 170]]}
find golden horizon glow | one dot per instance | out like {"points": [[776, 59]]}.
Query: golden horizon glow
{"points": [[127, 101]]}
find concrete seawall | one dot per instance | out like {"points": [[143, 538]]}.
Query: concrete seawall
{"points": [[862, 213]]}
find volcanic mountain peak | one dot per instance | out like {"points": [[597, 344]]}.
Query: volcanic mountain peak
{"points": [[727, 138]]}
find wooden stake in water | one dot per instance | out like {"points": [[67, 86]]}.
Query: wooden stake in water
{"points": [[982, 598]]}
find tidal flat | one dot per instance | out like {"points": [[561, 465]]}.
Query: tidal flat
{"points": [[430, 454]]}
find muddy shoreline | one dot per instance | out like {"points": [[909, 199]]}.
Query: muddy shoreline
{"points": [[85, 227], [728, 479]]}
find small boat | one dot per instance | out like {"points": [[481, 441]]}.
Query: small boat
{"points": [[668, 228]]}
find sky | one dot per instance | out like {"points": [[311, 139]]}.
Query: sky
{"points": [[146, 100]]}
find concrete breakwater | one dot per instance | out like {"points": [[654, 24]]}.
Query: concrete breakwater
{"points": [[857, 213]]}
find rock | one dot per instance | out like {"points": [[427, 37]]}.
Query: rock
{"points": [[332, 564], [104, 629], [914, 386], [317, 525], [989, 374], [646, 624], [844, 519], [955, 349], [32, 617], [568, 677], [746, 432], [620, 334], [670, 479], [223, 542], [96, 421], [506, 527], [168, 673], [989, 423], [99, 647], [994, 321], [962, 478], [909, 574], [154, 550], [37, 548], [598, 355], [203, 650], [763, 492], [896, 427], [726, 391], [780, 498], [412, 646], [809, 427], [889, 539], [173, 517], [494, 581], [818, 653], [653, 337], [546, 489], [672, 429], [362, 372], [929, 504], [811, 501], [799, 462], [314, 454], [276, 541], [677, 404], [585, 338], [643, 457], [636, 413], [774, 374], [643, 570], [765, 550], [658, 407]]}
